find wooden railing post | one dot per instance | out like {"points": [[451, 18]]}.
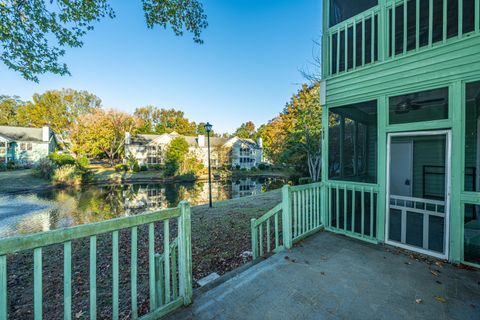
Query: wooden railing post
{"points": [[254, 232], [286, 217], [185, 253]]}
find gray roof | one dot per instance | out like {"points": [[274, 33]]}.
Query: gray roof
{"points": [[191, 140], [21, 133]]}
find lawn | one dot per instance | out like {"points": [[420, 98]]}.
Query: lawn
{"points": [[21, 180], [220, 239]]}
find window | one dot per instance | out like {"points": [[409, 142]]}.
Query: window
{"points": [[29, 147], [420, 106], [352, 145], [3, 148], [472, 137], [23, 146], [341, 10], [471, 245]]}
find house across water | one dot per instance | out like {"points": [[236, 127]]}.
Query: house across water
{"points": [[149, 149], [402, 149], [25, 145]]}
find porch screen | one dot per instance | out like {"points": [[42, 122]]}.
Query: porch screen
{"points": [[472, 137], [341, 10], [419, 106], [352, 147], [471, 249]]}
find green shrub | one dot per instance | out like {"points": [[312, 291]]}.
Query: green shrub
{"points": [[254, 169], [262, 166], [136, 167], [158, 167], [121, 167], [3, 167], [143, 167], [305, 180], [67, 174], [11, 165], [237, 167], [171, 168], [60, 159], [44, 168], [243, 169], [82, 161], [187, 177]]}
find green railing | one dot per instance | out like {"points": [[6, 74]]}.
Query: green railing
{"points": [[296, 217], [169, 278], [268, 241], [352, 209], [395, 28]]}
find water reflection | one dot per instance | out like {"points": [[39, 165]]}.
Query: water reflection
{"points": [[42, 211]]}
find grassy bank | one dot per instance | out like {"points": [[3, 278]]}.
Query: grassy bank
{"points": [[220, 236], [21, 180]]}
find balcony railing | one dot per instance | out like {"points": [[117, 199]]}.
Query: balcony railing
{"points": [[296, 217], [169, 274], [397, 28]]}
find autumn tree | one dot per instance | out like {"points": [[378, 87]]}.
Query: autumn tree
{"points": [[35, 33], [58, 109], [102, 133], [9, 106], [294, 137], [246, 130], [159, 121]]}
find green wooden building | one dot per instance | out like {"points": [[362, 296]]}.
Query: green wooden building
{"points": [[401, 151]]}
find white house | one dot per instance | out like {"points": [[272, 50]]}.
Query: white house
{"points": [[149, 149]]}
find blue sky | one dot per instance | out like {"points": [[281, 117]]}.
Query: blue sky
{"points": [[247, 69]]}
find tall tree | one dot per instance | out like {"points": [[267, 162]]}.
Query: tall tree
{"points": [[294, 137], [102, 133], [176, 153], [9, 106], [59, 109], [246, 130], [35, 33], [155, 120]]}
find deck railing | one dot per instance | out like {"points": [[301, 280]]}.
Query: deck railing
{"points": [[169, 278], [296, 217], [397, 27], [352, 209]]}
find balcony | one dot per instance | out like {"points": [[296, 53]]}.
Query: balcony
{"points": [[395, 29]]}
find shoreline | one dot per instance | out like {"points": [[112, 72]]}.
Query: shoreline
{"points": [[40, 185]]}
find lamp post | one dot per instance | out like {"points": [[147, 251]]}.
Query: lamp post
{"points": [[208, 128]]}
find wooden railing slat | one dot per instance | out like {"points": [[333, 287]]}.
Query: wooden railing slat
{"points": [[151, 265], [268, 236], [3, 287], [133, 271], [277, 241], [67, 280], [174, 271], [166, 255], [37, 284], [93, 277], [115, 276]]}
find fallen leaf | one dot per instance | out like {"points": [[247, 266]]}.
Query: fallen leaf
{"points": [[434, 273], [418, 301], [440, 299]]}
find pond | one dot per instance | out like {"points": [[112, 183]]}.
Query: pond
{"points": [[41, 211]]}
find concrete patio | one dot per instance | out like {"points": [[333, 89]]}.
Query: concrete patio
{"points": [[334, 277]]}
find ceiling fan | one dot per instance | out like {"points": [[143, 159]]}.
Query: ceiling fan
{"points": [[409, 104]]}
